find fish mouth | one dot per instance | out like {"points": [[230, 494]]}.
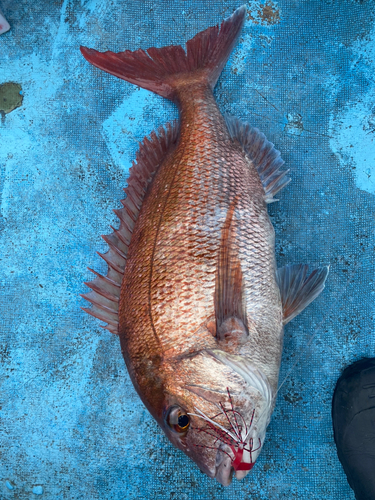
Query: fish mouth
{"points": [[225, 472], [224, 469]]}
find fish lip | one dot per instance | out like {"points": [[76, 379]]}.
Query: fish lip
{"points": [[224, 471]]}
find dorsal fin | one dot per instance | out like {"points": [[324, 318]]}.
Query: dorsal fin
{"points": [[297, 291], [229, 297], [105, 292], [262, 154]]}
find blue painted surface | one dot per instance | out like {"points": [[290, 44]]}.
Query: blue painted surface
{"points": [[72, 426]]}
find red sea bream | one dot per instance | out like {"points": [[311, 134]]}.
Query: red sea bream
{"points": [[192, 288]]}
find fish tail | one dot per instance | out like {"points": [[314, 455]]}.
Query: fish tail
{"points": [[165, 69]]}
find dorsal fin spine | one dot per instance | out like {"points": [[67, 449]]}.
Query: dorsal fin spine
{"points": [[115, 275], [115, 241], [107, 288], [127, 225], [102, 315], [136, 185], [107, 281], [120, 235], [131, 206], [121, 214], [101, 291], [137, 202], [130, 211], [99, 304], [111, 263], [110, 328], [114, 247]]}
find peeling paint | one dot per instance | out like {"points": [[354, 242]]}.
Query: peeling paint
{"points": [[265, 14], [294, 125], [352, 129], [10, 97]]}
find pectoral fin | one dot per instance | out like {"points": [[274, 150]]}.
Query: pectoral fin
{"points": [[296, 290], [230, 309]]}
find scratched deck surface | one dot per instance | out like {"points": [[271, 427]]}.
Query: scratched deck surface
{"points": [[72, 426]]}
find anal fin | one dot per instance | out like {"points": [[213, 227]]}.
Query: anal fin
{"points": [[297, 290]]}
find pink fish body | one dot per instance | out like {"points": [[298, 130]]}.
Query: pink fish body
{"points": [[192, 288]]}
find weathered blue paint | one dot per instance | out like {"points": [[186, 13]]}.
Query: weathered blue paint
{"points": [[72, 426], [353, 127]]}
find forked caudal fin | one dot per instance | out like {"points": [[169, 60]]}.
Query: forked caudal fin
{"points": [[163, 70]]}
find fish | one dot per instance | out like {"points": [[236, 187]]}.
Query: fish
{"points": [[193, 290]]}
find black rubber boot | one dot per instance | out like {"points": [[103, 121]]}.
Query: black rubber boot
{"points": [[353, 416]]}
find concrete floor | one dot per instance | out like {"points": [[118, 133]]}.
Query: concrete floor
{"points": [[72, 426]]}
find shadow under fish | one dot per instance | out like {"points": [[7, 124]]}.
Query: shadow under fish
{"points": [[192, 287]]}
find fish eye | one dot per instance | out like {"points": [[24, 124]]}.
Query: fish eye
{"points": [[177, 419]]}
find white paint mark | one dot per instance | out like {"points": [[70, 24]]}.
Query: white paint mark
{"points": [[37, 490], [241, 54], [294, 125], [62, 33], [125, 127], [353, 129]]}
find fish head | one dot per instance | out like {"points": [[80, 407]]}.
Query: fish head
{"points": [[217, 408]]}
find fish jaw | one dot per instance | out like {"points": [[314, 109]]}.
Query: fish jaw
{"points": [[237, 451], [214, 463], [220, 460], [239, 467], [224, 470]]}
